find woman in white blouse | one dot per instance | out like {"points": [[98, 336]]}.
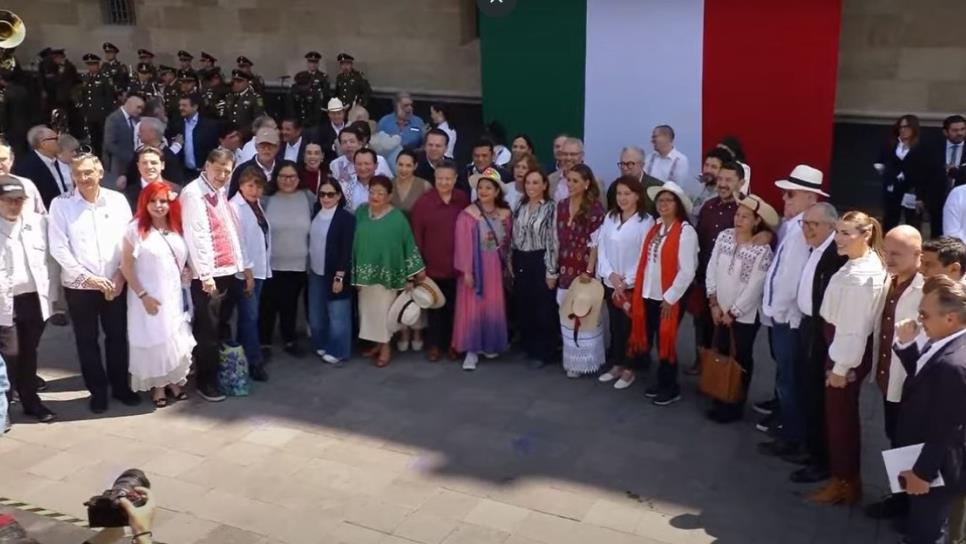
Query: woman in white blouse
{"points": [[735, 281], [618, 254], [670, 252], [849, 309]]}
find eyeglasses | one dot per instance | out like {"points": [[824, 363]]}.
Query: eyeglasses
{"points": [[628, 164], [49, 139], [812, 224], [328, 194]]}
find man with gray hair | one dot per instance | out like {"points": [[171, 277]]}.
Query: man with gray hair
{"points": [[40, 164], [667, 163], [150, 132], [403, 122], [119, 136], [631, 163]]}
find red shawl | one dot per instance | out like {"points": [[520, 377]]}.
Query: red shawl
{"points": [[668, 328]]}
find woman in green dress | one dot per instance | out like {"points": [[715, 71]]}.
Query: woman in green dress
{"points": [[385, 260]]}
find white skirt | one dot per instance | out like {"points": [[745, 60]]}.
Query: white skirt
{"points": [[374, 303], [164, 364], [588, 356]]}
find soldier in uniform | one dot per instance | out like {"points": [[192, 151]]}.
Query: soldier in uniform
{"points": [[351, 86], [305, 103], [147, 57], [243, 103], [144, 86], [60, 84], [97, 98], [245, 66], [184, 66], [16, 115], [207, 67], [119, 73], [318, 79], [187, 84], [170, 91], [213, 99]]}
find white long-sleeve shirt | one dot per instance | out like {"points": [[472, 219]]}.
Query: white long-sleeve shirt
{"points": [[736, 275], [781, 282], [954, 213], [256, 245], [198, 235], [85, 237], [850, 304], [670, 167], [619, 247], [687, 265]]}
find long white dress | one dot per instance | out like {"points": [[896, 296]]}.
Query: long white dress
{"points": [[160, 344]]}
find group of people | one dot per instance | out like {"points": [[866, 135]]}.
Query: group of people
{"points": [[204, 241]]}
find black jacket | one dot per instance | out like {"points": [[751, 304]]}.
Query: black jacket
{"points": [[31, 167], [827, 266], [173, 173], [205, 139], [934, 412], [893, 166], [338, 252], [300, 157]]}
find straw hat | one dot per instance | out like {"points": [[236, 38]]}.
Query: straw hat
{"points": [[803, 178], [671, 187], [761, 208], [427, 295], [582, 304], [490, 172], [403, 312]]}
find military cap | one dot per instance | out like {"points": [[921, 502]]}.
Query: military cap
{"points": [[145, 53], [238, 74], [206, 56], [244, 61], [144, 68], [184, 55], [213, 74], [313, 56], [186, 75], [345, 57], [91, 58], [164, 68], [109, 47], [57, 51]]}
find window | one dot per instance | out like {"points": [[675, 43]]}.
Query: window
{"points": [[118, 12]]}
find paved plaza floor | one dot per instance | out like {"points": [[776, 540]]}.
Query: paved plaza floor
{"points": [[423, 452]]}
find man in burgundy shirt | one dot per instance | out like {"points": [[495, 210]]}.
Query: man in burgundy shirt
{"points": [[434, 227]]}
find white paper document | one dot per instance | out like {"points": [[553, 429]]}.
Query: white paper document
{"points": [[902, 459], [909, 201]]}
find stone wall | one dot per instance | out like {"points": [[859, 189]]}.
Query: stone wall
{"points": [[419, 45], [902, 56]]}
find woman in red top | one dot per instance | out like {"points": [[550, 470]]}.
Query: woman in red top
{"points": [[315, 170]]}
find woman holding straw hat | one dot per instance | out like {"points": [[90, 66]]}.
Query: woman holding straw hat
{"points": [[735, 282], [669, 259]]}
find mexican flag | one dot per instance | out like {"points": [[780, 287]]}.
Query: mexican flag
{"points": [[608, 71]]}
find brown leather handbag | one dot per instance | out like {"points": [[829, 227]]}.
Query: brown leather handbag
{"points": [[721, 373]]}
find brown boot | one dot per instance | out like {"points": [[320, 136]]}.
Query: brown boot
{"points": [[838, 491]]}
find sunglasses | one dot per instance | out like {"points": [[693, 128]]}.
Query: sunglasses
{"points": [[328, 194]]}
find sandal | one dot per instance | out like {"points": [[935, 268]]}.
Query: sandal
{"points": [[382, 363], [371, 352], [161, 403], [182, 395]]}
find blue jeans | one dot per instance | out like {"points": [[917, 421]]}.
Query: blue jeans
{"points": [[786, 345], [247, 331], [329, 319]]}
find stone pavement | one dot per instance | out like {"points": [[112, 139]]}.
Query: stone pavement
{"points": [[425, 453]]}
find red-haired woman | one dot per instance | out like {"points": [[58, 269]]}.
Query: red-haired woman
{"points": [[153, 261]]}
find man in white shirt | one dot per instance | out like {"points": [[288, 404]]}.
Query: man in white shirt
{"points": [[293, 144], [266, 150], [666, 163], [954, 213], [248, 150], [85, 231], [571, 154], [24, 292], [781, 309]]}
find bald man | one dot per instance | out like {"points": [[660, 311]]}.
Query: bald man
{"points": [[903, 249]]}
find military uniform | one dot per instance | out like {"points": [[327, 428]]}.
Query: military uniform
{"points": [[352, 87], [119, 73], [245, 65], [213, 101], [146, 89], [147, 58], [243, 107], [170, 94], [305, 103], [96, 101], [316, 79]]}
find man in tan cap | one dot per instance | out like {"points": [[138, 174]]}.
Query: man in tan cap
{"points": [[266, 148]]}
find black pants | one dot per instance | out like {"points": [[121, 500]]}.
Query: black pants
{"points": [[667, 371], [893, 212], [91, 313], [210, 327], [811, 392], [439, 327], [744, 353], [891, 410], [620, 333], [926, 522], [280, 300], [18, 346], [95, 130], [934, 205], [535, 306]]}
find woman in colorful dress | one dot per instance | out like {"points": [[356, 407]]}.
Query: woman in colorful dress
{"points": [[579, 216], [153, 261], [385, 260], [483, 233]]}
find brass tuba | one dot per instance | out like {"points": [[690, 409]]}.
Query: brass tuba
{"points": [[12, 33]]}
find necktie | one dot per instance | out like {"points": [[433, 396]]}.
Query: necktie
{"points": [[130, 121], [771, 280], [953, 155], [63, 184]]}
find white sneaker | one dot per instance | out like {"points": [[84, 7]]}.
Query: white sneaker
{"points": [[320, 353], [491, 355], [331, 359], [606, 377], [624, 383], [417, 345], [402, 345], [469, 362], [573, 374]]}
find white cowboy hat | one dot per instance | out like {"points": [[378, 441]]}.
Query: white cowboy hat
{"points": [[334, 105], [402, 313], [582, 304], [670, 187], [803, 178], [761, 208], [427, 295]]}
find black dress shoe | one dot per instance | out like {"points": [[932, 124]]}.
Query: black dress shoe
{"points": [[257, 373], [128, 398], [41, 413], [294, 349], [892, 507], [777, 448], [809, 475], [41, 384], [798, 458], [99, 403], [58, 320]]}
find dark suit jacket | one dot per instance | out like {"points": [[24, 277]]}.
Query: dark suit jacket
{"points": [[329, 140], [173, 173], [300, 158], [828, 265], [133, 191], [893, 166], [118, 143], [928, 173], [338, 252], [31, 167], [934, 412], [205, 136]]}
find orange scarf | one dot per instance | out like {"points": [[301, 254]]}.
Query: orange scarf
{"points": [[668, 328]]}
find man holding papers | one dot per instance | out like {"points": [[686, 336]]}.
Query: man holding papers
{"points": [[933, 409]]}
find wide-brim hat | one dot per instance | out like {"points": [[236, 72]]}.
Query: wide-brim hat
{"points": [[403, 312], [582, 304], [761, 208], [803, 178], [334, 105], [491, 173], [674, 188], [428, 295]]}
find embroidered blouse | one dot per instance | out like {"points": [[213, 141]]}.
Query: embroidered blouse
{"points": [[736, 275], [575, 240], [535, 230]]}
